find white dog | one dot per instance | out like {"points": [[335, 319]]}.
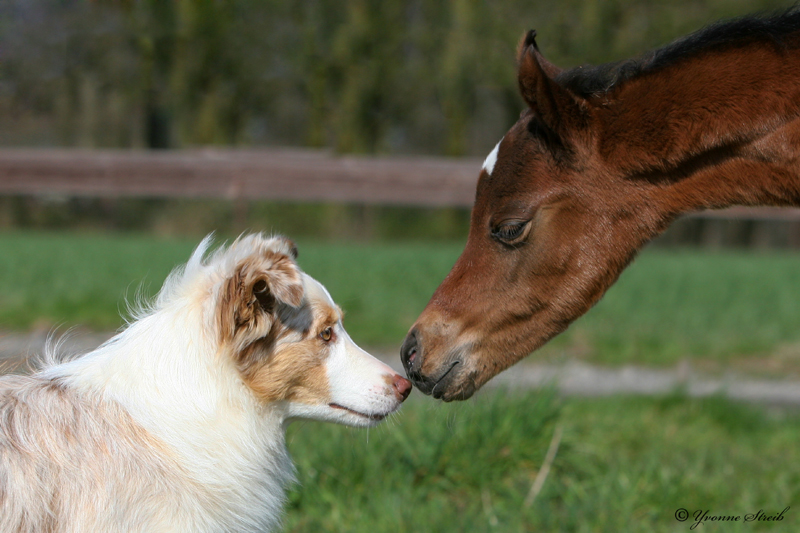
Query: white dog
{"points": [[177, 423]]}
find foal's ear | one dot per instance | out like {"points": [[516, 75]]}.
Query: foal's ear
{"points": [[557, 107], [257, 286]]}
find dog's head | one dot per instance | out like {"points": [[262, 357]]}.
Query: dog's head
{"points": [[286, 338]]}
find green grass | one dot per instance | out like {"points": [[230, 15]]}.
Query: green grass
{"points": [[79, 279], [624, 464], [70, 279], [674, 304], [714, 308]]}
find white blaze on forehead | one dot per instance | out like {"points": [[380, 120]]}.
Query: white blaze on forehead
{"points": [[491, 159]]}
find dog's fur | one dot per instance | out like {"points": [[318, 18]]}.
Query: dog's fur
{"points": [[177, 423]]}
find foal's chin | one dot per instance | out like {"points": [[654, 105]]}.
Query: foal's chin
{"points": [[462, 387], [455, 380]]}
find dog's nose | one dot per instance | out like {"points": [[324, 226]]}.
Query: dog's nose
{"points": [[409, 353], [401, 386]]}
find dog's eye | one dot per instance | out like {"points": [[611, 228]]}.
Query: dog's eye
{"points": [[326, 334]]}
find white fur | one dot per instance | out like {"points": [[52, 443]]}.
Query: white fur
{"points": [[224, 448], [491, 159], [348, 369]]}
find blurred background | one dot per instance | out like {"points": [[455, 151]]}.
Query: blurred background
{"points": [[129, 129]]}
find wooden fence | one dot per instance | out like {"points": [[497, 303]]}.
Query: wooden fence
{"points": [[297, 175], [274, 174]]}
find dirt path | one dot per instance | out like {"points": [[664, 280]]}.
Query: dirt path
{"points": [[571, 379]]}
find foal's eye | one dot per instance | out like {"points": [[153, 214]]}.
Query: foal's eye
{"points": [[326, 334], [512, 231]]}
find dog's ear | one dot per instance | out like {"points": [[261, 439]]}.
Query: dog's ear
{"points": [[257, 286]]}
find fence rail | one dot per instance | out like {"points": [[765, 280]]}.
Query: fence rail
{"points": [[274, 174], [300, 175]]}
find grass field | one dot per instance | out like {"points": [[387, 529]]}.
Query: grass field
{"points": [[715, 309], [624, 464]]}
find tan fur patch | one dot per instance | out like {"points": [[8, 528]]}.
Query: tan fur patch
{"points": [[288, 363], [326, 316], [249, 297], [292, 372]]}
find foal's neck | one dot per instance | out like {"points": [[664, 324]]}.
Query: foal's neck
{"points": [[713, 131], [764, 171]]}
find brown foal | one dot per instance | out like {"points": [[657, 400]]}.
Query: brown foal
{"points": [[603, 160]]}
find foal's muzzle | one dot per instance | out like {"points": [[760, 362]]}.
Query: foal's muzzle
{"points": [[436, 381]]}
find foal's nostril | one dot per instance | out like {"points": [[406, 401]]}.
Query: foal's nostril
{"points": [[402, 387], [409, 352]]}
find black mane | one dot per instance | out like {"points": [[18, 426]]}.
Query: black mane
{"points": [[591, 80]]}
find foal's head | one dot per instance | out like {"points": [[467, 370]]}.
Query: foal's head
{"points": [[551, 229], [603, 159]]}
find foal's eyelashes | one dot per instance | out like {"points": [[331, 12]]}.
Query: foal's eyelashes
{"points": [[512, 231]]}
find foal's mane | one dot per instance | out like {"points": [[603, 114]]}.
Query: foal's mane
{"points": [[588, 81]]}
